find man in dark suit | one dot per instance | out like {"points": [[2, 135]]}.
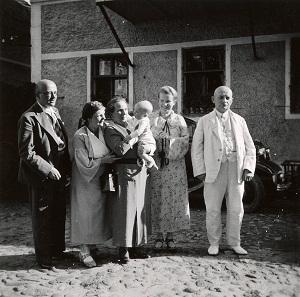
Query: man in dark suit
{"points": [[44, 164]]}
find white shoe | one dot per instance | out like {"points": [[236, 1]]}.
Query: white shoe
{"points": [[213, 250], [87, 260], [238, 250]]}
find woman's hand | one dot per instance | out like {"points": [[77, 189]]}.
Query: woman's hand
{"points": [[110, 158], [163, 135]]}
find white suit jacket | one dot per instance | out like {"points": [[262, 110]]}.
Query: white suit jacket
{"points": [[207, 146]]}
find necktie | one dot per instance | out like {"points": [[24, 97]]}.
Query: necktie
{"points": [[226, 135], [57, 129]]}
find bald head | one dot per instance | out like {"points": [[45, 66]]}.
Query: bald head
{"points": [[142, 109], [223, 90], [46, 93], [222, 98]]}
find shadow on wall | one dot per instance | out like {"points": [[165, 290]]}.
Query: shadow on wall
{"points": [[14, 101]]}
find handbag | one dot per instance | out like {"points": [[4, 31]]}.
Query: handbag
{"points": [[107, 182]]}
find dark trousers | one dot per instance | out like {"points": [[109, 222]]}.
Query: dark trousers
{"points": [[48, 214]]}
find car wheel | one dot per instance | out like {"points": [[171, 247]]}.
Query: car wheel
{"points": [[254, 195]]}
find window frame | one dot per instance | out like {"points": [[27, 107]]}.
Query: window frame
{"points": [[111, 77], [288, 114], [222, 49]]}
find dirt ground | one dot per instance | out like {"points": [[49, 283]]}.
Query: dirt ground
{"points": [[272, 238]]}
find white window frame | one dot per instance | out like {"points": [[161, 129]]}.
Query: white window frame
{"points": [[288, 114]]}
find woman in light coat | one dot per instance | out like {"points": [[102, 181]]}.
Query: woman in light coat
{"points": [[90, 215]]}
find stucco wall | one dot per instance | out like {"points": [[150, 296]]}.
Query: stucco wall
{"points": [[70, 78], [259, 92], [78, 26], [152, 71], [258, 85]]}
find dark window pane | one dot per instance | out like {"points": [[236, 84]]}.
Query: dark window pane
{"points": [[121, 87], [295, 75], [109, 77], [194, 60], [120, 66], [105, 66], [103, 91], [203, 73]]}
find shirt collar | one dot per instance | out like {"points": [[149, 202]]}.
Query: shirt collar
{"points": [[48, 110], [224, 115]]}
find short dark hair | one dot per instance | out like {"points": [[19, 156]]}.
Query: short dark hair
{"points": [[88, 111], [110, 108]]}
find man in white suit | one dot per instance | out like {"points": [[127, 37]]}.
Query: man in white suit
{"points": [[223, 157]]}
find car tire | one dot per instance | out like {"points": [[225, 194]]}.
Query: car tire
{"points": [[254, 195]]}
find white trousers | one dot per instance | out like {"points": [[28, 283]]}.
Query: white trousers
{"points": [[226, 185]]}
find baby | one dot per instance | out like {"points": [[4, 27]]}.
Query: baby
{"points": [[139, 126]]}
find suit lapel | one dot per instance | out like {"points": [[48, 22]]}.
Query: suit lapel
{"points": [[44, 121], [214, 123], [237, 131]]}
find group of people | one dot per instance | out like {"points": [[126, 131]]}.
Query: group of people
{"points": [[128, 175]]}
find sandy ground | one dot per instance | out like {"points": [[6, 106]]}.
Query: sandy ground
{"points": [[271, 237]]}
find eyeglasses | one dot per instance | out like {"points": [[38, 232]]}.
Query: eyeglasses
{"points": [[49, 93]]}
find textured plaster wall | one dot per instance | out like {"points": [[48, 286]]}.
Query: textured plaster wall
{"points": [[152, 71], [78, 26], [70, 78], [258, 85], [259, 92]]}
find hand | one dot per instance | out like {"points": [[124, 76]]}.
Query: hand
{"points": [[163, 135], [127, 138], [110, 158], [54, 174], [201, 177], [247, 175]]}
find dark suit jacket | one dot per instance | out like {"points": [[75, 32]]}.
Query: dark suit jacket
{"points": [[37, 144]]}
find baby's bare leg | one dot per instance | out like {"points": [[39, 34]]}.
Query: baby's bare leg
{"points": [[150, 161]]}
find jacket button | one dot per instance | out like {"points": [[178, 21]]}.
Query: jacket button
{"points": [[218, 160], [220, 150]]}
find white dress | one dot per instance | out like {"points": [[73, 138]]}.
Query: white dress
{"points": [[90, 211]]}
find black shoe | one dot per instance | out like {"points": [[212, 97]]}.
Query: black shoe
{"points": [[158, 245], [63, 256], [171, 245], [123, 255], [48, 266], [138, 253]]}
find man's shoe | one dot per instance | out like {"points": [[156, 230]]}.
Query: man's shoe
{"points": [[63, 256], [48, 266], [238, 250], [123, 255], [138, 253], [213, 250]]}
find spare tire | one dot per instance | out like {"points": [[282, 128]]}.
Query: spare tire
{"points": [[254, 195]]}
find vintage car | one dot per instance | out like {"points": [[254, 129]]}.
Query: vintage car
{"points": [[269, 178]]}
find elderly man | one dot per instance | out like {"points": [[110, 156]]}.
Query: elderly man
{"points": [[223, 157], [44, 163]]}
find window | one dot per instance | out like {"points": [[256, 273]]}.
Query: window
{"points": [[203, 72], [295, 76], [109, 77]]}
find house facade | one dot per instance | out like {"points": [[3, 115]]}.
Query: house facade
{"points": [[94, 49]]}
